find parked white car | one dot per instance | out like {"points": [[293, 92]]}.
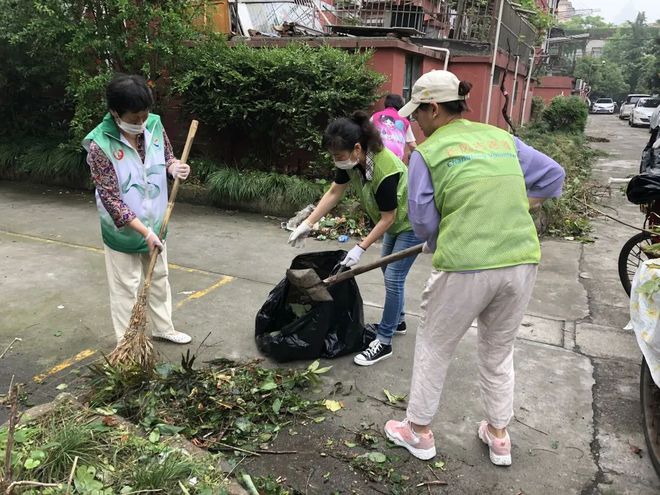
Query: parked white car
{"points": [[641, 112], [628, 104], [603, 105]]}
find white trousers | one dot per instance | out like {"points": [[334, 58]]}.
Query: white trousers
{"points": [[125, 273], [450, 303]]}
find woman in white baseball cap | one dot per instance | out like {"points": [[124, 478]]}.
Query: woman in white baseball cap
{"points": [[467, 195]]}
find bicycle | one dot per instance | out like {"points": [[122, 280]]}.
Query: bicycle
{"points": [[632, 254]]}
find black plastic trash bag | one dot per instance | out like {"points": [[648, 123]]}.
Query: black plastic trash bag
{"points": [[643, 188], [289, 328]]}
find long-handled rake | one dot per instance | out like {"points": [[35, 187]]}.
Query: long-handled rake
{"points": [[136, 348]]}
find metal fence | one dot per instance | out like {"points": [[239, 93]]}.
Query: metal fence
{"points": [[467, 20]]}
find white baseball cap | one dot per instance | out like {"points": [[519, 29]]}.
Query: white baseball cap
{"points": [[436, 86]]}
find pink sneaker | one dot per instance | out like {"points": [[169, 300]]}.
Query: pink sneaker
{"points": [[402, 434], [500, 448]]}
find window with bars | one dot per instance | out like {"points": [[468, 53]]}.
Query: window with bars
{"points": [[412, 72]]}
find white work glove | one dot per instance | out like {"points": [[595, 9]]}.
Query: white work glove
{"points": [[426, 249], [178, 169], [353, 257], [298, 236], [153, 241]]}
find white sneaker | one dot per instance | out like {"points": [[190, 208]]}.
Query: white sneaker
{"points": [[176, 337]]}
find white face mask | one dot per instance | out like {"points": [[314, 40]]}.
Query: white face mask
{"points": [[133, 129], [345, 164]]}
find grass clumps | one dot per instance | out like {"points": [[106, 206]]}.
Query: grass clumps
{"points": [[102, 456], [44, 160], [229, 184]]}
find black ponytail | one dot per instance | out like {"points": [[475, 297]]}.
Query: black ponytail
{"points": [[342, 134], [458, 106]]}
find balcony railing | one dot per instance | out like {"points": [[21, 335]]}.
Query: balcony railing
{"points": [[466, 20]]}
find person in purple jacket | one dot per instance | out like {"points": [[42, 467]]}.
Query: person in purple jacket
{"points": [[469, 172], [544, 179]]}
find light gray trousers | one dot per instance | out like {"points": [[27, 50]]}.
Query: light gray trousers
{"points": [[450, 303]]}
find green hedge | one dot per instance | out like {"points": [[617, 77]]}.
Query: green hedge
{"points": [[566, 114], [275, 101]]}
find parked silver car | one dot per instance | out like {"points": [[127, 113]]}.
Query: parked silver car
{"points": [[603, 105], [628, 104], [642, 111]]}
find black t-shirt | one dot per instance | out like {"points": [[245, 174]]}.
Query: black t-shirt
{"points": [[386, 195]]}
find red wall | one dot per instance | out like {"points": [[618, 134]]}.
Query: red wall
{"points": [[550, 86], [390, 62]]}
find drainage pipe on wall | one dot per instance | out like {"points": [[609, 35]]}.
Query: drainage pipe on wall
{"points": [[515, 86], [444, 50], [492, 66], [529, 77]]}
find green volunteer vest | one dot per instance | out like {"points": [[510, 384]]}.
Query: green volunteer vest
{"points": [[386, 164], [480, 194], [143, 185]]}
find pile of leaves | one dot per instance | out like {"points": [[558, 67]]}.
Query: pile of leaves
{"points": [[334, 227], [79, 451], [224, 406]]}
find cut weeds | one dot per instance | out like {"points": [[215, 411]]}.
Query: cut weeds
{"points": [[227, 406]]}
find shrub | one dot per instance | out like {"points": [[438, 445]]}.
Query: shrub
{"points": [[58, 56], [33, 72], [566, 114], [275, 101]]}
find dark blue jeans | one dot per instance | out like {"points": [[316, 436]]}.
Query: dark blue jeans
{"points": [[395, 280]]}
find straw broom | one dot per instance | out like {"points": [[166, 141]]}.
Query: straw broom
{"points": [[136, 348]]}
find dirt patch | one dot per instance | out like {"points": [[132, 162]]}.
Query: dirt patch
{"points": [[329, 458]]}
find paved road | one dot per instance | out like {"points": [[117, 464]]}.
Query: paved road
{"points": [[576, 399]]}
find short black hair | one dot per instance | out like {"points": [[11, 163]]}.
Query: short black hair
{"points": [[128, 93], [394, 101]]}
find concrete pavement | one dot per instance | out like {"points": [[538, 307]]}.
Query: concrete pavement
{"points": [[577, 404]]}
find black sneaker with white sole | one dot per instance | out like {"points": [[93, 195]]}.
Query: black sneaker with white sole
{"points": [[377, 351], [401, 328]]}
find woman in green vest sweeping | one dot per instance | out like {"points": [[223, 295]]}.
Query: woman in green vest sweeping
{"points": [[381, 181], [130, 158], [468, 197]]}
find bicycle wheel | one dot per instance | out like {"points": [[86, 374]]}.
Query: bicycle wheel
{"points": [[631, 256], [649, 395]]}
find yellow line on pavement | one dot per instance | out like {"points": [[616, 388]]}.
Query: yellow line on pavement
{"points": [[64, 364], [51, 241], [92, 249], [201, 293]]}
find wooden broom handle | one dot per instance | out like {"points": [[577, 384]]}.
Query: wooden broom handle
{"points": [[385, 260], [170, 206]]}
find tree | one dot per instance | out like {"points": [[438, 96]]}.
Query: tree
{"points": [[62, 53], [633, 49], [579, 22], [604, 77]]}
